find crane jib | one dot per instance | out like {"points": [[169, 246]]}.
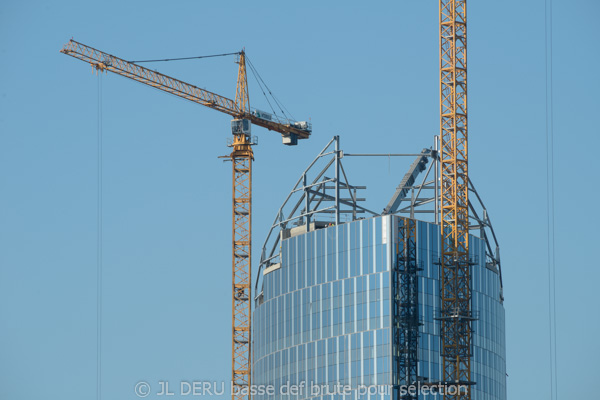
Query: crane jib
{"points": [[106, 62]]}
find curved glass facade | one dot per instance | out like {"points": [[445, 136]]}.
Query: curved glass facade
{"points": [[322, 326]]}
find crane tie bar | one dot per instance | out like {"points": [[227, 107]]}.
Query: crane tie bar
{"points": [[185, 58]]}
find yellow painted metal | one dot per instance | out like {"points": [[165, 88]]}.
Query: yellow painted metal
{"points": [[242, 99], [456, 314], [105, 62], [242, 158]]}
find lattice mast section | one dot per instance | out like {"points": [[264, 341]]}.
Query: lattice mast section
{"points": [[242, 204], [241, 160], [456, 315], [407, 307]]}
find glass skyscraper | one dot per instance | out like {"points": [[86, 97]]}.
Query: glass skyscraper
{"points": [[323, 323]]}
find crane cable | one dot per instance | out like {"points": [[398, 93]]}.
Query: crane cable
{"points": [[99, 247], [183, 58], [550, 200], [260, 79], [257, 76], [255, 73]]}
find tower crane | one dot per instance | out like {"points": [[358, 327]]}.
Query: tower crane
{"points": [[456, 315], [241, 158]]}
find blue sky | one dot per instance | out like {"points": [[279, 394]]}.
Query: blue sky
{"points": [[366, 72]]}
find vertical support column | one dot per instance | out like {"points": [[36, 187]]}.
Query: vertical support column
{"points": [[241, 160], [436, 179], [241, 157], [306, 201], [406, 310], [242, 98], [455, 296], [337, 180]]}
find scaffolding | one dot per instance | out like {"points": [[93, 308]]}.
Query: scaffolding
{"points": [[406, 308]]}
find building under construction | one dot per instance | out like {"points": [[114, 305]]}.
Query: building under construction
{"points": [[349, 296]]}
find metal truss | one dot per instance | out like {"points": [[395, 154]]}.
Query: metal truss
{"points": [[455, 279], [414, 197], [421, 198], [406, 307], [102, 61], [320, 197], [241, 157]]}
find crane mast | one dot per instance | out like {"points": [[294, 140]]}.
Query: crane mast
{"points": [[456, 315], [241, 160], [241, 157]]}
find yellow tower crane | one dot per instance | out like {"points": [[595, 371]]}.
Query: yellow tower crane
{"points": [[241, 157], [456, 315]]}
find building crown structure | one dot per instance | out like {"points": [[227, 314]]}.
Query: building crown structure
{"points": [[347, 300]]}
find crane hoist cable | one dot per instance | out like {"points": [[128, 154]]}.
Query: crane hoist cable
{"points": [[99, 250], [550, 203]]}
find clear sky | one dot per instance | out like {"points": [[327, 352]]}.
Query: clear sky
{"points": [[364, 71]]}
